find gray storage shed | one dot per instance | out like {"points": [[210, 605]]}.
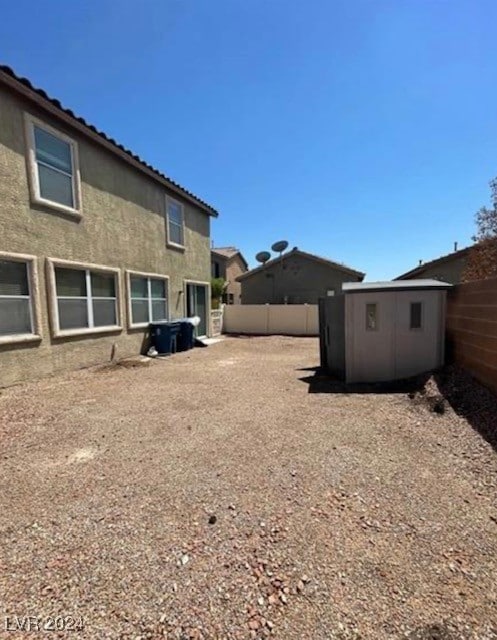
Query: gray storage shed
{"points": [[381, 331]]}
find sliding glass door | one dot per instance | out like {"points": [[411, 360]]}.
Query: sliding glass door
{"points": [[196, 305]]}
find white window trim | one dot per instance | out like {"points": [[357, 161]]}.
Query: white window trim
{"points": [[57, 332], [143, 274], [169, 242], [34, 299], [34, 182]]}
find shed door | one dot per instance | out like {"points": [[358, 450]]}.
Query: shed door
{"points": [[370, 317], [417, 332]]}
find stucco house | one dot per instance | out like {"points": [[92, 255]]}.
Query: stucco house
{"points": [[448, 268], [94, 242], [296, 277], [228, 263]]}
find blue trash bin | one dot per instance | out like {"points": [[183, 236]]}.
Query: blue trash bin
{"points": [[186, 336], [164, 336]]}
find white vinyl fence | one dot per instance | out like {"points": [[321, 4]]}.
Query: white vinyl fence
{"points": [[272, 319]]}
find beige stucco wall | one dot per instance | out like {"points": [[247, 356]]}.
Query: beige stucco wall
{"points": [[301, 279], [123, 226]]}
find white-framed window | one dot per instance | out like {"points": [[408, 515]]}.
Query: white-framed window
{"points": [[416, 315], [19, 306], [175, 223], [85, 298], [53, 167], [371, 316], [147, 298]]}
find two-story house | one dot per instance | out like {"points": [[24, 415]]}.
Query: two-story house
{"points": [[94, 242], [228, 263]]}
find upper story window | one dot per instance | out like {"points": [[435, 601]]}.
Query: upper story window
{"points": [[147, 298], [18, 313], [53, 168], [175, 223], [216, 270], [85, 298]]}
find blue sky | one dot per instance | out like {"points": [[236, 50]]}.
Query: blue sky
{"points": [[361, 130]]}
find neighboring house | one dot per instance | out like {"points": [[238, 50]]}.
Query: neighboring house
{"points": [[228, 263], [94, 243], [296, 277], [448, 268]]}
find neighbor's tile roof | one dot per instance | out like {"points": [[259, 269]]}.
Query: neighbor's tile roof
{"points": [[310, 256], [24, 86], [433, 263], [227, 252]]}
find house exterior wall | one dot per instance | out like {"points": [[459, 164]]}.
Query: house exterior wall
{"points": [[294, 280], [218, 267], [450, 271], [234, 268], [393, 351], [123, 225]]}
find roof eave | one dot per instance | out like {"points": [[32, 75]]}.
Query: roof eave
{"points": [[40, 98]]}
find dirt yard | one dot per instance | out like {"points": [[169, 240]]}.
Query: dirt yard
{"points": [[211, 495]]}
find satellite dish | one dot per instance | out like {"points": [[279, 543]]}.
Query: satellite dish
{"points": [[279, 246], [263, 256]]}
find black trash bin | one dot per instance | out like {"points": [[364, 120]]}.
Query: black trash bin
{"points": [[164, 336], [186, 336]]}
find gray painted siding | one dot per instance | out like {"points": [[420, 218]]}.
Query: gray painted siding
{"points": [[299, 279]]}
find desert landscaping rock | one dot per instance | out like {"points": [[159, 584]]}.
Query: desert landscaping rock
{"points": [[339, 515]]}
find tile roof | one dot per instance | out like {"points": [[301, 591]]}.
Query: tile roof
{"points": [[227, 252], [433, 263], [311, 256], [24, 86]]}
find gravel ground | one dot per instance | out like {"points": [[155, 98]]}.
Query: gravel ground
{"points": [[210, 495]]}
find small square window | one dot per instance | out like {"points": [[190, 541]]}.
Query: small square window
{"points": [[330, 292], [416, 315], [371, 317]]}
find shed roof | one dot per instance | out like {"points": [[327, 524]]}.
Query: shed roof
{"points": [[24, 87], [394, 285]]}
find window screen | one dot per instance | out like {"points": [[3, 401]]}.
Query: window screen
{"points": [[15, 300], [148, 299], [55, 167], [85, 299]]}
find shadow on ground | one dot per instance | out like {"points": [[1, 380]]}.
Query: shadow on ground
{"points": [[470, 400], [456, 387], [321, 382]]}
